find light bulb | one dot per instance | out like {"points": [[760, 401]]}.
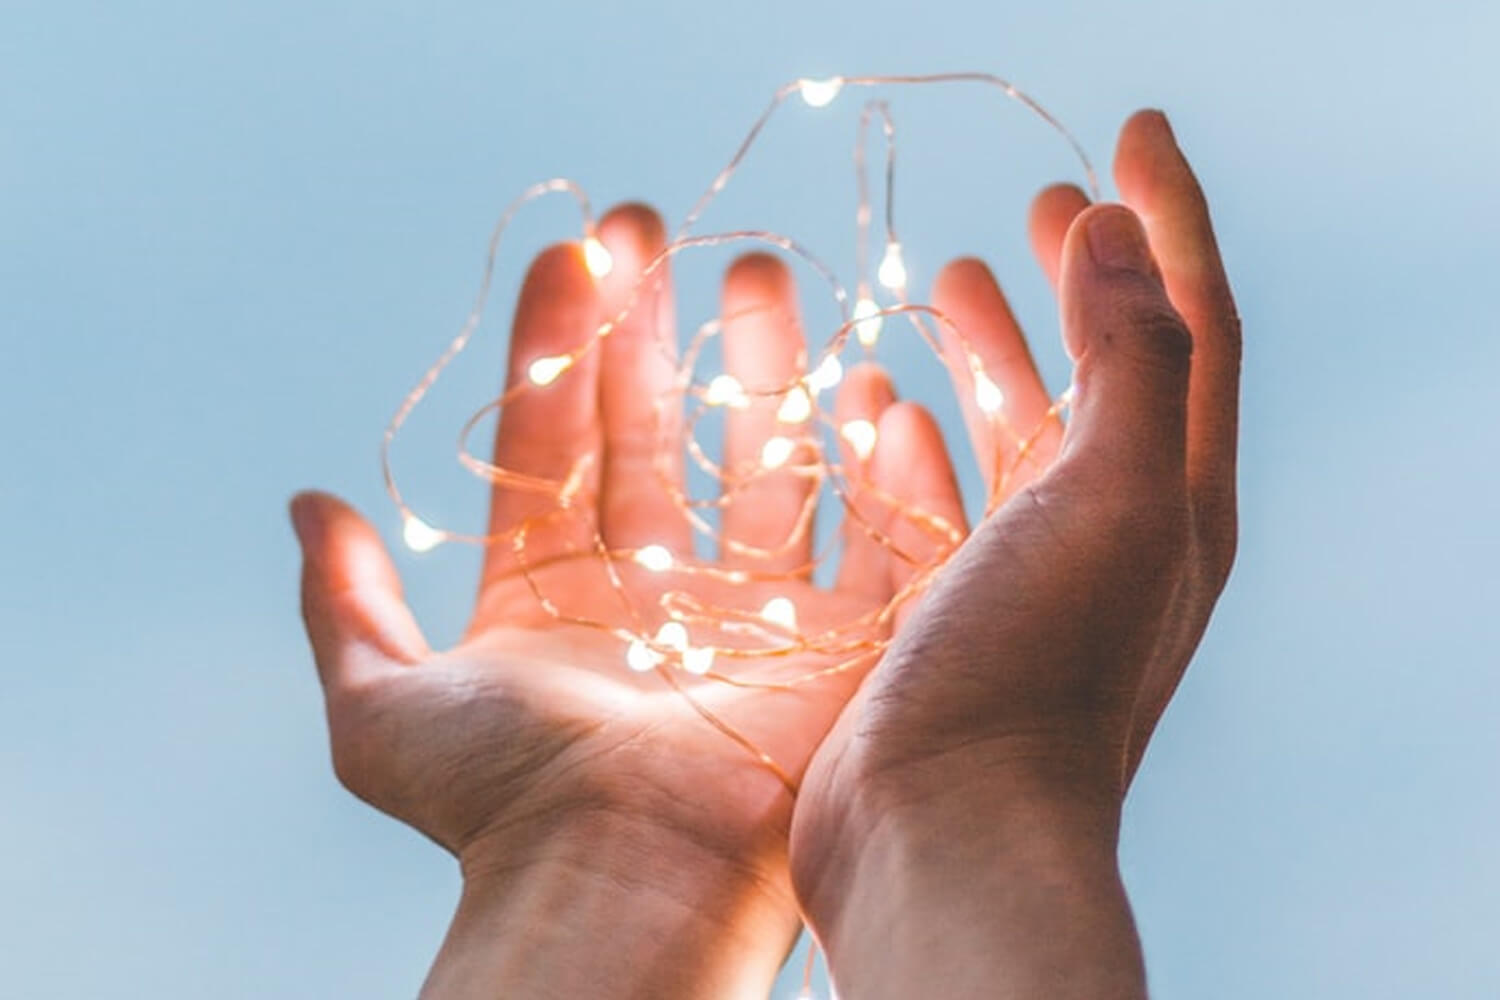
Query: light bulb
{"points": [[827, 375], [867, 321], [641, 657], [544, 371], [892, 273], [776, 450], [419, 535], [861, 437], [656, 558], [780, 611], [596, 257], [698, 659], [796, 407], [987, 394], [673, 635], [725, 390], [820, 93]]}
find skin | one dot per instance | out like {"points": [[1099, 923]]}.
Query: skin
{"points": [[967, 803], [613, 844]]}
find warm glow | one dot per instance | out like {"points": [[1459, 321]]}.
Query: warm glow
{"points": [[867, 321], [987, 394], [780, 611], [725, 390], [597, 258], [892, 273], [820, 93], [776, 451], [656, 558], [419, 535], [673, 635], [861, 437], [827, 375], [641, 657], [698, 660], [544, 371], [796, 407]]}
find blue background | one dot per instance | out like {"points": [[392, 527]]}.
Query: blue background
{"points": [[232, 234]]}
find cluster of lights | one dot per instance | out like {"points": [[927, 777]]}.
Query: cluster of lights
{"points": [[664, 642]]}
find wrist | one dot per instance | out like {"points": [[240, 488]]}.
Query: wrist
{"points": [[986, 890], [611, 906]]}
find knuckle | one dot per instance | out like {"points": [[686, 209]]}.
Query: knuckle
{"points": [[1152, 333]]}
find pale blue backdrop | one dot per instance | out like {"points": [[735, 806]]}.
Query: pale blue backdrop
{"points": [[232, 233]]}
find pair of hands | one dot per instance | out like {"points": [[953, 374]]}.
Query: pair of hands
{"points": [[958, 805]]}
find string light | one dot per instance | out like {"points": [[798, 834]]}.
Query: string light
{"points": [[860, 434], [596, 257], [419, 535], [678, 616]]}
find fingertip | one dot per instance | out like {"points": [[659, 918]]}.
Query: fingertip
{"points": [[559, 271], [633, 233], [758, 275], [867, 389], [1052, 213]]}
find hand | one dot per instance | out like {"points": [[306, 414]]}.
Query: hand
{"points": [[612, 841], [967, 802]]}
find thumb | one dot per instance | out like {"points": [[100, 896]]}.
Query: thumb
{"points": [[357, 621], [1133, 351]]}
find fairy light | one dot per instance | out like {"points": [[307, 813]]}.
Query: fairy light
{"points": [[987, 394], [860, 434], [596, 257], [796, 407], [780, 611], [776, 450], [656, 558], [829, 373], [678, 616], [892, 273], [820, 93], [545, 371], [418, 535], [726, 390]]}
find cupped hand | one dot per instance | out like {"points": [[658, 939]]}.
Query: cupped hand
{"points": [[531, 746], [1012, 710]]}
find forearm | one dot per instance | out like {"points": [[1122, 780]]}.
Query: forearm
{"points": [[612, 915], [1002, 898]]}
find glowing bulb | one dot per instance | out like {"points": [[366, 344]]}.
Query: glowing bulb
{"points": [[698, 660], [596, 257], [780, 611], [419, 535], [656, 558], [725, 390], [827, 375], [867, 321], [544, 371], [641, 657], [796, 407], [1069, 395], [861, 437], [776, 451], [673, 635], [987, 394], [820, 93], [892, 273]]}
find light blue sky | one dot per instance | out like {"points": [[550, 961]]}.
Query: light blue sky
{"points": [[231, 235]]}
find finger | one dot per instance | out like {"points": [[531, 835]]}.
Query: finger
{"points": [[1052, 212], [357, 621], [763, 348], [549, 431], [1131, 349], [864, 395], [1155, 180], [1014, 439], [641, 414], [912, 467]]}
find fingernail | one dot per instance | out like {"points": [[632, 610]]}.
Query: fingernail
{"points": [[1117, 241]]}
